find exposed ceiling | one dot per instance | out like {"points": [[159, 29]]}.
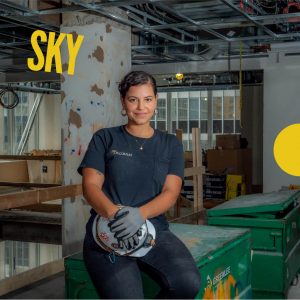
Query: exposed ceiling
{"points": [[164, 30]]}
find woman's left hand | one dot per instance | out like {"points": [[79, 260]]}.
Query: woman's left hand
{"points": [[127, 221]]}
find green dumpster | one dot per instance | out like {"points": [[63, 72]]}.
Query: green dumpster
{"points": [[221, 254], [274, 220]]}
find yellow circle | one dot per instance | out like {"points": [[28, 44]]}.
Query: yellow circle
{"points": [[287, 150], [179, 76]]}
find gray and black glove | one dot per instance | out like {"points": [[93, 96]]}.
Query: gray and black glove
{"points": [[127, 221], [130, 243]]}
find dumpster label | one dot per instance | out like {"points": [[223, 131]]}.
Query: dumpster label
{"points": [[221, 275], [222, 286]]}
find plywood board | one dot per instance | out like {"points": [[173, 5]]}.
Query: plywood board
{"points": [[14, 171]]}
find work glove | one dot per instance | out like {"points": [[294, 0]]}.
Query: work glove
{"points": [[127, 221], [130, 243]]}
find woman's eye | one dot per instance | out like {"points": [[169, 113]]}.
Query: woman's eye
{"points": [[148, 99], [132, 99]]}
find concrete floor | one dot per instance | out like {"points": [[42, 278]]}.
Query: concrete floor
{"points": [[50, 288], [294, 291], [53, 288]]}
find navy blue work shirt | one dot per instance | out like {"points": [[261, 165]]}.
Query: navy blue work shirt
{"points": [[133, 176]]}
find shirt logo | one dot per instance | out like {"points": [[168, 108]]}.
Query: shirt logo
{"points": [[115, 152]]}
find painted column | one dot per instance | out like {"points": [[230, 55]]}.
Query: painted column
{"points": [[90, 101], [2, 131]]}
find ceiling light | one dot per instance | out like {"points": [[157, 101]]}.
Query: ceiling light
{"points": [[179, 76]]}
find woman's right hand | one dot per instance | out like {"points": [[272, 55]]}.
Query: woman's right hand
{"points": [[127, 221]]}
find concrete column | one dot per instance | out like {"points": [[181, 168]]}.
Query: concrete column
{"points": [[2, 131], [252, 122], [281, 109], [90, 101]]}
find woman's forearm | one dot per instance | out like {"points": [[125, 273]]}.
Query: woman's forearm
{"points": [[99, 201], [159, 204]]}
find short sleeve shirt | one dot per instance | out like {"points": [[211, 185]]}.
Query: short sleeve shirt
{"points": [[133, 176]]}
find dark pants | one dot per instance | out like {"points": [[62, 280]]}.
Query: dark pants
{"points": [[169, 263]]}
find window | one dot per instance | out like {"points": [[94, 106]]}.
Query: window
{"points": [[7, 252], [215, 112], [14, 122], [161, 117], [22, 258]]}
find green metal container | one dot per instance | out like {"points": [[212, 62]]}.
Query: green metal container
{"points": [[221, 254], [274, 220]]}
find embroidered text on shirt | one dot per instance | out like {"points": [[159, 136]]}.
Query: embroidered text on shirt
{"points": [[115, 152]]}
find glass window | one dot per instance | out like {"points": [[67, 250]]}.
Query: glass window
{"points": [[174, 118], [217, 97], [204, 106], [7, 252], [174, 106], [204, 113], [161, 109], [14, 122], [193, 124], [228, 126], [182, 108], [217, 126], [182, 125], [183, 114], [194, 108], [22, 258], [214, 112], [203, 126], [229, 105]]}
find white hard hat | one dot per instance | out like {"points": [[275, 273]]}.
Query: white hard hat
{"points": [[106, 239]]}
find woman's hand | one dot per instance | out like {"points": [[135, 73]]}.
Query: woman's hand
{"points": [[127, 221]]}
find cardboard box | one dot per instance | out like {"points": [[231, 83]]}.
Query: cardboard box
{"points": [[228, 141], [235, 161]]}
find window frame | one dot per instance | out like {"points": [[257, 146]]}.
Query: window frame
{"points": [[208, 138]]}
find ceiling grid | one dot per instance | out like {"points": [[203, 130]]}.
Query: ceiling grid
{"points": [[165, 30]]}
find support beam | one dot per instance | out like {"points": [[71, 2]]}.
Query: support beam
{"points": [[193, 22], [30, 157], [31, 76], [123, 20], [29, 123], [267, 30], [19, 199]]}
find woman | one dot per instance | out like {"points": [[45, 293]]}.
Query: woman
{"points": [[142, 169]]}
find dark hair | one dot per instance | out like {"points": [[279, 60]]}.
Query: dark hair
{"points": [[134, 78]]}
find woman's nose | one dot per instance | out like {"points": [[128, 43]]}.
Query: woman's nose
{"points": [[140, 104]]}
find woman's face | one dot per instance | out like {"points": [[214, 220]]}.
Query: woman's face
{"points": [[140, 103]]}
